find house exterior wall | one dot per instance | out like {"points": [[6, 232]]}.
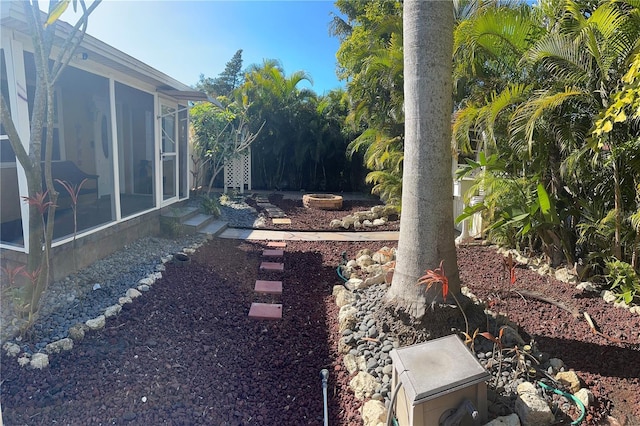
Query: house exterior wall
{"points": [[131, 203], [94, 246]]}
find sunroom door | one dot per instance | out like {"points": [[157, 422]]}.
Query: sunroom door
{"points": [[169, 152]]}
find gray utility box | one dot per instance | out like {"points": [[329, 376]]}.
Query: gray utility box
{"points": [[437, 377]]}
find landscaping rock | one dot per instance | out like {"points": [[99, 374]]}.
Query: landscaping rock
{"points": [[354, 363], [374, 413], [24, 360], [570, 379], [585, 396], [353, 283], [58, 346], [112, 311], [510, 420], [556, 364], [11, 349], [39, 361], [364, 261], [511, 338], [76, 332], [96, 323], [363, 385], [132, 293], [345, 298], [533, 410], [587, 286]]}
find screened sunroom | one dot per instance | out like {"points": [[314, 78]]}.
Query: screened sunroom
{"points": [[120, 129]]}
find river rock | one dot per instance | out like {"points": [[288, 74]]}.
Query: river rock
{"points": [[379, 222], [384, 255], [147, 281]]}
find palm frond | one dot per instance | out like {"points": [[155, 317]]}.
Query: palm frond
{"points": [[528, 114]]}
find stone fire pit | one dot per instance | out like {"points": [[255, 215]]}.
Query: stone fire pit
{"points": [[322, 201]]}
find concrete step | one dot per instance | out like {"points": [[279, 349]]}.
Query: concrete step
{"points": [[265, 311], [182, 214], [198, 221], [214, 228]]}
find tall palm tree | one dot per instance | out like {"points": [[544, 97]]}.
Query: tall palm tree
{"points": [[276, 100]]}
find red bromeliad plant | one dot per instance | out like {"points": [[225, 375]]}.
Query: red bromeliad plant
{"points": [[438, 276], [74, 193], [510, 267], [39, 281], [11, 273], [39, 202]]}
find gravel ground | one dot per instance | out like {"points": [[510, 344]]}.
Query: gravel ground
{"points": [[186, 353]]}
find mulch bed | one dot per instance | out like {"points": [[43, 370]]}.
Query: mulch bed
{"points": [[187, 353]]}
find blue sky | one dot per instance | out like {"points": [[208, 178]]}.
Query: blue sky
{"points": [[187, 38]]}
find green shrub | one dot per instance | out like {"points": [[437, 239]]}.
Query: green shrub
{"points": [[623, 280], [210, 206]]}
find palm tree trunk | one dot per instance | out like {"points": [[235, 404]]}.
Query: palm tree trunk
{"points": [[426, 225]]}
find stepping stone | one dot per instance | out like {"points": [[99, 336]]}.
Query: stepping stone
{"points": [[265, 311], [273, 253], [275, 212], [277, 244], [268, 287], [272, 266], [281, 221]]}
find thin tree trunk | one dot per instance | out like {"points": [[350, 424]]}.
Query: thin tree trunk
{"points": [[617, 243], [426, 225]]}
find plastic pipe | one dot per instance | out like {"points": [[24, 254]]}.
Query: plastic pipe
{"points": [[339, 272], [324, 373], [390, 412]]}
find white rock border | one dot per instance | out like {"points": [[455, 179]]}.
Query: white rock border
{"points": [[565, 275]]}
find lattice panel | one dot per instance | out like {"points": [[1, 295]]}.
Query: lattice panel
{"points": [[237, 172]]}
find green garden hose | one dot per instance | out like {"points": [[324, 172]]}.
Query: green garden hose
{"points": [[570, 397], [343, 263]]}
